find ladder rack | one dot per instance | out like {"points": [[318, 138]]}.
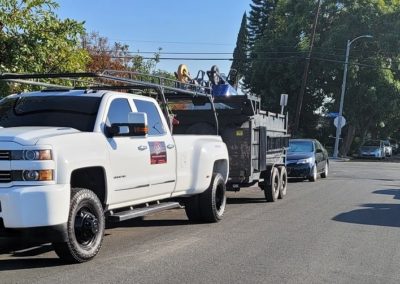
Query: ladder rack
{"points": [[108, 78], [117, 80]]}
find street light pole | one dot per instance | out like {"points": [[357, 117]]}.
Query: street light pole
{"points": [[346, 64]]}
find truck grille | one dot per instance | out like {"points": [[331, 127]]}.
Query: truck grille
{"points": [[5, 155], [5, 176]]}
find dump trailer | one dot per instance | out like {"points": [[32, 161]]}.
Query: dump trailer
{"points": [[256, 139]]}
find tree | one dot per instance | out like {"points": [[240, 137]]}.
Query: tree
{"points": [[258, 18], [240, 53], [373, 84], [34, 39], [117, 56], [103, 56]]}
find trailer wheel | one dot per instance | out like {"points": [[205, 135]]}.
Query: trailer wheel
{"points": [[208, 206], [85, 227], [284, 180], [271, 189]]}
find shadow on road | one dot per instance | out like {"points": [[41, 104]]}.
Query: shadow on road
{"points": [[18, 264], [19, 250], [377, 214], [394, 192], [140, 222], [23, 255], [245, 200], [296, 180]]}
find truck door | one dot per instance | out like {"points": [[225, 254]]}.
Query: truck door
{"points": [[162, 156], [129, 158]]}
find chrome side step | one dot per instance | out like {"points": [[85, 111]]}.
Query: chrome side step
{"points": [[138, 212]]}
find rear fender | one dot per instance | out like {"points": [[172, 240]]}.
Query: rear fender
{"points": [[208, 158]]}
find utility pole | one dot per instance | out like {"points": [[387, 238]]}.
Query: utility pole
{"points": [[305, 74]]}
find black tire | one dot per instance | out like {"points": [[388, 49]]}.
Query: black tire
{"points": [[85, 228], [271, 188], [284, 181], [314, 174], [192, 208], [326, 171], [208, 206]]}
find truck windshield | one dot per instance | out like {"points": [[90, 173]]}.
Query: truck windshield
{"points": [[59, 111]]}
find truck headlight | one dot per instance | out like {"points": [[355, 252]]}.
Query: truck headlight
{"points": [[32, 155], [305, 161], [37, 175]]}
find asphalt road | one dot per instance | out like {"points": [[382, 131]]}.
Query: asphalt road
{"points": [[345, 229]]}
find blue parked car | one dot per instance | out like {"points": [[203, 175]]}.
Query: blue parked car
{"points": [[373, 149], [307, 158]]}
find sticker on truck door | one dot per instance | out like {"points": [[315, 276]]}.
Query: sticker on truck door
{"points": [[158, 153]]}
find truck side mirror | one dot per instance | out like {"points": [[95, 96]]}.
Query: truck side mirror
{"points": [[136, 126], [138, 123]]}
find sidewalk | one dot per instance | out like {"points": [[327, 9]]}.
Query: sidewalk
{"points": [[339, 159]]}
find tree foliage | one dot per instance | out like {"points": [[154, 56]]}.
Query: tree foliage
{"points": [[373, 83], [240, 53], [258, 19], [117, 56], [34, 39]]}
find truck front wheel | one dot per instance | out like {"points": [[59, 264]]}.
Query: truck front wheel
{"points": [[85, 227], [208, 206]]}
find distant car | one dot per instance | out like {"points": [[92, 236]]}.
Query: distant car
{"points": [[372, 149], [388, 148], [307, 158], [395, 145]]}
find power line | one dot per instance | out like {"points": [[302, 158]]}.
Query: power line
{"points": [[177, 58], [355, 64], [256, 53], [174, 42], [270, 59]]}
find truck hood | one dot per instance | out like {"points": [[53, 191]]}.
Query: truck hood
{"points": [[30, 135]]}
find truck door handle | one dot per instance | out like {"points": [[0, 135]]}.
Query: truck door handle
{"points": [[170, 146], [142, 148]]}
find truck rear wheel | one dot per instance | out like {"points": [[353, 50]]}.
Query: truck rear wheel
{"points": [[85, 227], [271, 189], [284, 180], [192, 208], [208, 206]]}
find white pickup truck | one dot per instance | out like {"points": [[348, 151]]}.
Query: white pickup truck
{"points": [[69, 160]]}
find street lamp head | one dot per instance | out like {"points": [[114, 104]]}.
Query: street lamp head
{"points": [[363, 36]]}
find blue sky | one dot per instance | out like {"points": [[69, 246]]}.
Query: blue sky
{"points": [[175, 26]]}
